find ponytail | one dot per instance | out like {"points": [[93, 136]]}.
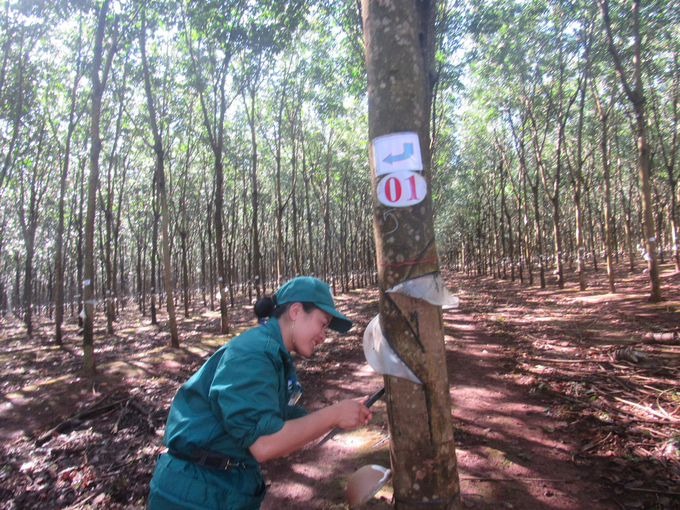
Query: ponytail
{"points": [[265, 306]]}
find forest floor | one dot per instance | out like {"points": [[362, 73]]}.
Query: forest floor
{"points": [[562, 400]]}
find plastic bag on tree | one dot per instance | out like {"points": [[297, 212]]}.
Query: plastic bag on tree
{"points": [[381, 356], [429, 287]]}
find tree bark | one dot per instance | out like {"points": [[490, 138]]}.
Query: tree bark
{"points": [[215, 132], [28, 217], [58, 256], [160, 182], [604, 147], [257, 256], [305, 178], [98, 86], [400, 64], [637, 98]]}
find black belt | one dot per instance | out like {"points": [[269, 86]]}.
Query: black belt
{"points": [[208, 459]]}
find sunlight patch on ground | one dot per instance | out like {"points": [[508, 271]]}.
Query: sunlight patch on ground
{"points": [[142, 329], [533, 318], [349, 441], [604, 298], [365, 370], [309, 470], [301, 491], [358, 440]]}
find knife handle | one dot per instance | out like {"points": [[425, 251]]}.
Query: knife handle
{"points": [[375, 397]]}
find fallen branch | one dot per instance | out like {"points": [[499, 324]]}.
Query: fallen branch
{"points": [[146, 414], [629, 415], [670, 493], [662, 338], [79, 504], [120, 418], [77, 419], [517, 479], [593, 445], [552, 360], [650, 411]]}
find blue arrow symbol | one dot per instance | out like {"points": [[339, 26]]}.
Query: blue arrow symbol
{"points": [[408, 152]]}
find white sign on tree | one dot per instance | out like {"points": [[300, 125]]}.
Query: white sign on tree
{"points": [[402, 189], [396, 152]]}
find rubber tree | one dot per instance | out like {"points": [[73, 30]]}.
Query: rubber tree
{"points": [[216, 42], [98, 77], [634, 90], [399, 43], [159, 153], [66, 148]]}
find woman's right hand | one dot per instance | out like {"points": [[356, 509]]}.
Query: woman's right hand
{"points": [[352, 413], [346, 414]]}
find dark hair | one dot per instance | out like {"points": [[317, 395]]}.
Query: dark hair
{"points": [[268, 307]]}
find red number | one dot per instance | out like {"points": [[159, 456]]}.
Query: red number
{"points": [[397, 189], [412, 181]]}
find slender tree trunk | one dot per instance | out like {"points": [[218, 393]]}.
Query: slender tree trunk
{"points": [[310, 237], [58, 256], [211, 264], [604, 148], [184, 227], [98, 86], [79, 203], [279, 199], [232, 243], [400, 68], [140, 297], [215, 133], [16, 295], [29, 240], [542, 259], [107, 207], [297, 267], [153, 288], [203, 272], [254, 232], [636, 96], [160, 182], [576, 170]]}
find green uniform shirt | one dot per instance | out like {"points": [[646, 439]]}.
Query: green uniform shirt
{"points": [[241, 393]]}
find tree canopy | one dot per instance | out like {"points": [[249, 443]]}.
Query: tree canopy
{"points": [[260, 112]]}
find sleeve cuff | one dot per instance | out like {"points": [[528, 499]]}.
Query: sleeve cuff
{"points": [[265, 427]]}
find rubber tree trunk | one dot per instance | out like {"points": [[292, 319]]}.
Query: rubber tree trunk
{"points": [[255, 197], [635, 93], [399, 38], [160, 182], [154, 251], [58, 257], [604, 144], [98, 86]]}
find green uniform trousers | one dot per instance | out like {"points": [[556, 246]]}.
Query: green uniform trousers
{"points": [[178, 484]]}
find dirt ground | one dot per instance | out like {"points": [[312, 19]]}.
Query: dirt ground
{"points": [[559, 402]]}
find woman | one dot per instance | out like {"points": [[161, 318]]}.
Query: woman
{"points": [[240, 408]]}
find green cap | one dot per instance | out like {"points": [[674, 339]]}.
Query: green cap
{"points": [[307, 289]]}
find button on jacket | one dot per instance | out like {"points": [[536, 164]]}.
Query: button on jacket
{"points": [[241, 393]]}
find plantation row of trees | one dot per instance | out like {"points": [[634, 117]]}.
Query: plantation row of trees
{"points": [[570, 144], [202, 149], [198, 148]]}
